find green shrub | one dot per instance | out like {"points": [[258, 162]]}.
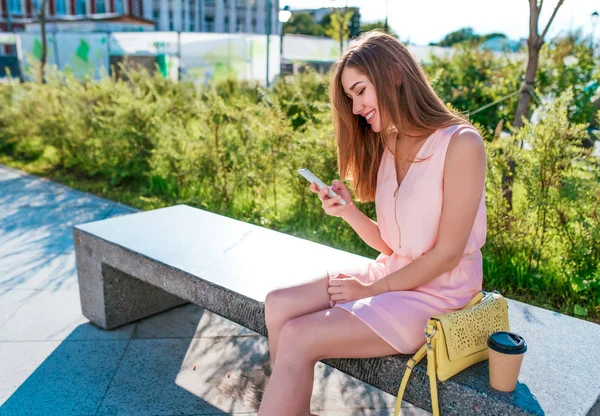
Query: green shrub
{"points": [[234, 148], [547, 248]]}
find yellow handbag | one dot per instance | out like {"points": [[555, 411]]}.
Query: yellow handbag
{"points": [[457, 340]]}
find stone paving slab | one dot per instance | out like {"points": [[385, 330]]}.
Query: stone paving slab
{"points": [[144, 382], [18, 361], [192, 322], [55, 316], [11, 302], [36, 220], [72, 380], [53, 271], [230, 373]]}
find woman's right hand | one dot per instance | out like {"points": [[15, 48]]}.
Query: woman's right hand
{"points": [[331, 205]]}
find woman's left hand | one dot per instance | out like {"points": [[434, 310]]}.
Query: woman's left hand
{"points": [[345, 288]]}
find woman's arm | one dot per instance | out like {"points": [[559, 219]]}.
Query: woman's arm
{"points": [[367, 229], [464, 181]]}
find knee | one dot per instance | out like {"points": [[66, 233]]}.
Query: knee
{"points": [[296, 340], [274, 304]]}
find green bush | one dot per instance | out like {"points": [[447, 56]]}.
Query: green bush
{"points": [[234, 148], [547, 248]]}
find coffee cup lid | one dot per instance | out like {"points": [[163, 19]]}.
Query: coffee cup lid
{"points": [[507, 342]]}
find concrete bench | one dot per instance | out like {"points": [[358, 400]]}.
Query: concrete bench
{"points": [[133, 266]]}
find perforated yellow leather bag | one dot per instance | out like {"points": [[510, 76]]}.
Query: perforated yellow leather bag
{"points": [[457, 340]]}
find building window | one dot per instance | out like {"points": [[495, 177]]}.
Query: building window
{"points": [[80, 7], [156, 13], [209, 3], [15, 6], [100, 6], [119, 6], [61, 7], [209, 24]]}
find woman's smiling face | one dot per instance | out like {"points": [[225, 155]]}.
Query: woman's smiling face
{"points": [[364, 98]]}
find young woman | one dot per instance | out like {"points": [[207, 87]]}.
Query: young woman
{"points": [[424, 167]]}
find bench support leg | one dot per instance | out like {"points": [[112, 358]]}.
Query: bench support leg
{"points": [[111, 297]]}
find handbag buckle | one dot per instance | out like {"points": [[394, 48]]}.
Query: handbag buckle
{"points": [[429, 336]]}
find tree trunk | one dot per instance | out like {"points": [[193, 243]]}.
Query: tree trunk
{"points": [[533, 49], [44, 42], [534, 45]]}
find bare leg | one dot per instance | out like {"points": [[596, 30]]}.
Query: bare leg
{"points": [[331, 333], [282, 305]]}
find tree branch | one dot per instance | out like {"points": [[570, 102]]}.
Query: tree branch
{"points": [[551, 19], [534, 14]]}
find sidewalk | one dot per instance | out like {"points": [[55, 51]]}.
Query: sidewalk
{"points": [[187, 361]]}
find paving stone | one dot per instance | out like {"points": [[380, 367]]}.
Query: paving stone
{"points": [[11, 301], [18, 360], [188, 321], [33, 269], [71, 381], [144, 383], [55, 316]]}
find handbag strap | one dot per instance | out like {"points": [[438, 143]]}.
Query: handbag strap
{"points": [[432, 378], [409, 366], [427, 348]]}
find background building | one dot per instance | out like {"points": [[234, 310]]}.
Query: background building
{"points": [[221, 16], [16, 14]]}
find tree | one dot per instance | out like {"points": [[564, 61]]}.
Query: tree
{"points": [[340, 26], [458, 36], [534, 44], [493, 35], [378, 24], [303, 23], [41, 11]]}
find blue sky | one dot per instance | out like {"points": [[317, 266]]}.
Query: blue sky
{"points": [[424, 21]]}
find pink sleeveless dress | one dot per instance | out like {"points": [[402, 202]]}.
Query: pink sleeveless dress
{"points": [[409, 217]]}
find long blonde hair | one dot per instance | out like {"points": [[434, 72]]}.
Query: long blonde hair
{"points": [[406, 102]]}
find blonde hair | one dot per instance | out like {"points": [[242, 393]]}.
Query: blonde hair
{"points": [[406, 101]]}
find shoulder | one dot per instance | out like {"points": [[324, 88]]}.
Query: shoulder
{"points": [[466, 144]]}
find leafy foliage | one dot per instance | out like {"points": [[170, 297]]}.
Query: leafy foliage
{"points": [[378, 24], [549, 242], [302, 23], [234, 148]]}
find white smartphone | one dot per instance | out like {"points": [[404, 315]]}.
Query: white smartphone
{"points": [[320, 184]]}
